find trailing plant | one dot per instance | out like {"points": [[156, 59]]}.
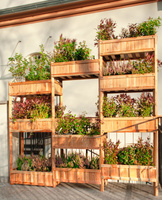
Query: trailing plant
{"points": [[67, 50], [140, 153], [75, 160], [124, 106], [34, 163], [111, 151], [70, 124], [38, 107], [105, 30]]}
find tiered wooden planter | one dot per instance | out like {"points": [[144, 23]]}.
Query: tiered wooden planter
{"points": [[129, 48]]}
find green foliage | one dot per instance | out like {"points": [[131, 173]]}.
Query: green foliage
{"points": [[39, 69], [70, 124], [33, 163], [145, 105], [137, 154], [35, 108], [124, 106], [149, 27], [140, 66], [66, 50], [18, 65], [75, 160], [127, 156], [144, 152], [111, 151], [105, 30], [59, 111]]}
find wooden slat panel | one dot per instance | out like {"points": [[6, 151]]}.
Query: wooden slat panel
{"points": [[75, 68], [77, 141], [31, 178], [33, 87], [78, 175], [130, 124], [129, 172], [128, 82], [26, 125], [127, 45]]}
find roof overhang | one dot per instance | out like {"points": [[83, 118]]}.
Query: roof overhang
{"points": [[32, 13]]}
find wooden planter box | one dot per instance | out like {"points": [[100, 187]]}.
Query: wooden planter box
{"points": [[33, 88], [77, 141], [26, 125], [128, 45], [75, 68], [128, 82], [91, 176], [129, 172], [129, 124], [31, 178]]}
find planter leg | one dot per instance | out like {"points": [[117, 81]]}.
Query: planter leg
{"points": [[155, 184], [102, 185], [106, 182]]}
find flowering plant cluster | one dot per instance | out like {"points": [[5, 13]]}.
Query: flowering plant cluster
{"points": [[105, 30], [70, 124], [67, 50], [137, 154], [124, 106], [140, 66], [75, 160], [34, 163], [37, 107]]}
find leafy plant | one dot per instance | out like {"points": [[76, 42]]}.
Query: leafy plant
{"points": [[144, 152], [39, 69], [38, 107], [111, 151], [70, 124], [59, 111], [34, 163], [140, 66], [75, 160], [67, 50], [18, 65], [127, 156], [145, 105], [105, 30], [124, 106]]}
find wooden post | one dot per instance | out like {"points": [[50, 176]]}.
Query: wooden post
{"points": [[21, 143], [53, 130], [102, 180], [61, 104]]}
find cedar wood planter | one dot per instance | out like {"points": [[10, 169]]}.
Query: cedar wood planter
{"points": [[129, 172], [78, 141], [26, 125], [75, 68], [128, 82], [91, 176], [129, 124], [31, 178], [127, 45], [33, 88]]}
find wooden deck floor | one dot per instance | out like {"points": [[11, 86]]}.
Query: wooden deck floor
{"points": [[64, 191]]}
